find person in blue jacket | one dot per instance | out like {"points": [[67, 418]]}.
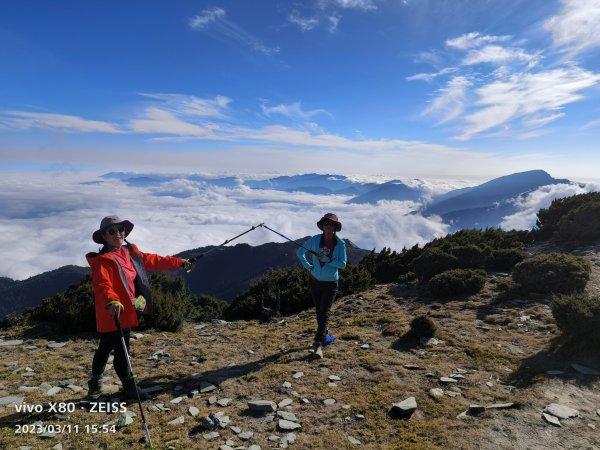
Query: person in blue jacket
{"points": [[328, 255]]}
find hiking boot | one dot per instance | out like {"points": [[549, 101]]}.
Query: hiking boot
{"points": [[317, 351], [94, 389], [130, 389]]}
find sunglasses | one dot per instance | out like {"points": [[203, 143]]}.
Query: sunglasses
{"points": [[114, 230], [329, 223]]}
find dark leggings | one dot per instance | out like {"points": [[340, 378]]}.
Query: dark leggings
{"points": [[323, 294], [109, 342]]}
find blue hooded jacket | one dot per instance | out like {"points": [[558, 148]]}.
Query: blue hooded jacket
{"points": [[329, 271]]}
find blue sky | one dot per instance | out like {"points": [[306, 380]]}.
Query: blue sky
{"points": [[460, 88]]}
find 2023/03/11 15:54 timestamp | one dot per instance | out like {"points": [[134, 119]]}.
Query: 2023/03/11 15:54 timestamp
{"points": [[65, 428]]}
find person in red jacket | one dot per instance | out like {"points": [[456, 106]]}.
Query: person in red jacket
{"points": [[121, 290]]}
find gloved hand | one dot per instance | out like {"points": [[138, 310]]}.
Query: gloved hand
{"points": [[187, 264], [114, 308]]}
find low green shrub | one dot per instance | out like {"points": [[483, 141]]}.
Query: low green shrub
{"points": [[578, 316], [457, 281], [573, 220], [423, 326], [205, 308], [354, 278], [286, 292], [432, 262], [557, 273], [470, 256], [73, 311], [504, 259], [581, 226]]}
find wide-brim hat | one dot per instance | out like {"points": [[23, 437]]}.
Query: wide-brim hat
{"points": [[109, 221], [332, 217]]}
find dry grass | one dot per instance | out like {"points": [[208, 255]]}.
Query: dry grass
{"points": [[248, 360]]}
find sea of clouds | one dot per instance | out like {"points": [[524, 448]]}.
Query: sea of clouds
{"points": [[47, 219]]}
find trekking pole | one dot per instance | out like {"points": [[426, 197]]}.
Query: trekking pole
{"points": [[133, 377], [197, 257], [293, 242]]}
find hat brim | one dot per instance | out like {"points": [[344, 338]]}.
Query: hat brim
{"points": [[338, 225], [97, 236]]}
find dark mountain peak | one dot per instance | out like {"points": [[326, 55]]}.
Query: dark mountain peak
{"points": [[390, 190]]}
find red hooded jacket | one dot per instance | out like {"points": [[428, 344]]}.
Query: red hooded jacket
{"points": [[109, 285]]}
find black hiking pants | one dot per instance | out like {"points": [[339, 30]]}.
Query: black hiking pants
{"points": [[323, 294], [112, 342]]}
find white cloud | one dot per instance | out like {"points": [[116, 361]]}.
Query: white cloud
{"points": [[500, 55], [35, 209], [158, 121], [215, 19], [432, 76], [304, 23], [358, 4], [530, 204], [333, 22], [191, 105], [525, 95], [25, 120], [292, 110], [207, 17], [474, 39], [451, 101], [577, 27]]}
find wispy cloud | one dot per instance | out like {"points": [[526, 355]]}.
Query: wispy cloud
{"points": [[500, 88], [500, 55], [450, 102], [191, 105], [432, 76], [215, 20], [157, 121], [327, 14], [25, 120], [577, 27], [527, 95], [292, 110], [474, 39], [359, 4], [304, 23]]}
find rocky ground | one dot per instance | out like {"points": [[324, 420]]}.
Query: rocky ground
{"points": [[493, 378]]}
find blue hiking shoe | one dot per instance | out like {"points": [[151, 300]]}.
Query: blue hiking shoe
{"points": [[328, 340]]}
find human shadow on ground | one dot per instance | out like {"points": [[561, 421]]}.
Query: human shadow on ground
{"points": [[557, 357]]}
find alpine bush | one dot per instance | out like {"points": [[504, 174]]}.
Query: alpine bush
{"points": [[432, 262], [286, 292], [171, 299], [504, 259], [557, 273], [423, 326], [471, 256], [581, 226], [578, 316], [457, 281], [73, 311], [571, 221], [354, 278]]}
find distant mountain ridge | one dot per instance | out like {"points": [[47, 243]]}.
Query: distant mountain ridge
{"points": [[224, 273], [17, 295], [485, 205]]}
